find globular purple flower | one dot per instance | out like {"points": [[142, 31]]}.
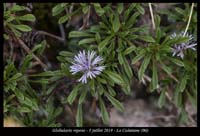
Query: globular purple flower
{"points": [[178, 49], [87, 63]]}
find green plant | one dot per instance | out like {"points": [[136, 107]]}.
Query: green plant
{"points": [[109, 50], [13, 20]]}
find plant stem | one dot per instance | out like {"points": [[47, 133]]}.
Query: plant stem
{"points": [[51, 35], [62, 31], [192, 7], [152, 16], [23, 45]]}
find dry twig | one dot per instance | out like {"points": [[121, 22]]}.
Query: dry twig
{"points": [[23, 45]]}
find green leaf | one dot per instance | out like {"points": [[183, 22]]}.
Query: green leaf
{"points": [[180, 11], [157, 23], [64, 4], [120, 45], [120, 58], [85, 9], [108, 80], [57, 112], [11, 18], [23, 28], [79, 116], [101, 80], [104, 43], [57, 9], [82, 97], [115, 102], [140, 9], [101, 89], [19, 94], [120, 7], [37, 47], [63, 19], [128, 69], [16, 32], [98, 37], [24, 109], [27, 101], [27, 17], [177, 97], [104, 113], [183, 118], [183, 84], [126, 89], [86, 41], [51, 88], [161, 100], [147, 38], [192, 99], [74, 34], [154, 80], [40, 81], [95, 28], [158, 34], [16, 76], [131, 37], [111, 91], [10, 98], [116, 23], [144, 66], [176, 61], [157, 56], [73, 94], [46, 73], [66, 54], [167, 69], [179, 40], [129, 50], [35, 105], [64, 59], [17, 8], [132, 19], [12, 85], [5, 36], [100, 11], [115, 77], [138, 57], [128, 11]]}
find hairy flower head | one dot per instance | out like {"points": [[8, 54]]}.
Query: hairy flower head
{"points": [[178, 49], [87, 63]]}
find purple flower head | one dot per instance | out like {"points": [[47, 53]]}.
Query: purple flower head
{"points": [[178, 49], [87, 63]]}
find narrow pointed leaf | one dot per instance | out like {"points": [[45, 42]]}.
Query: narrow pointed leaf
{"points": [[27, 17], [144, 66], [23, 28], [138, 57], [154, 80], [79, 116], [147, 39], [82, 97], [115, 77], [73, 94], [104, 113], [63, 19], [116, 23], [115, 102], [161, 100]]}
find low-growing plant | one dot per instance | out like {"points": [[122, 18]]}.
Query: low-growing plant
{"points": [[102, 58]]}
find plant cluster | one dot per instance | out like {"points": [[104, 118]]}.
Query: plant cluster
{"points": [[110, 49]]}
